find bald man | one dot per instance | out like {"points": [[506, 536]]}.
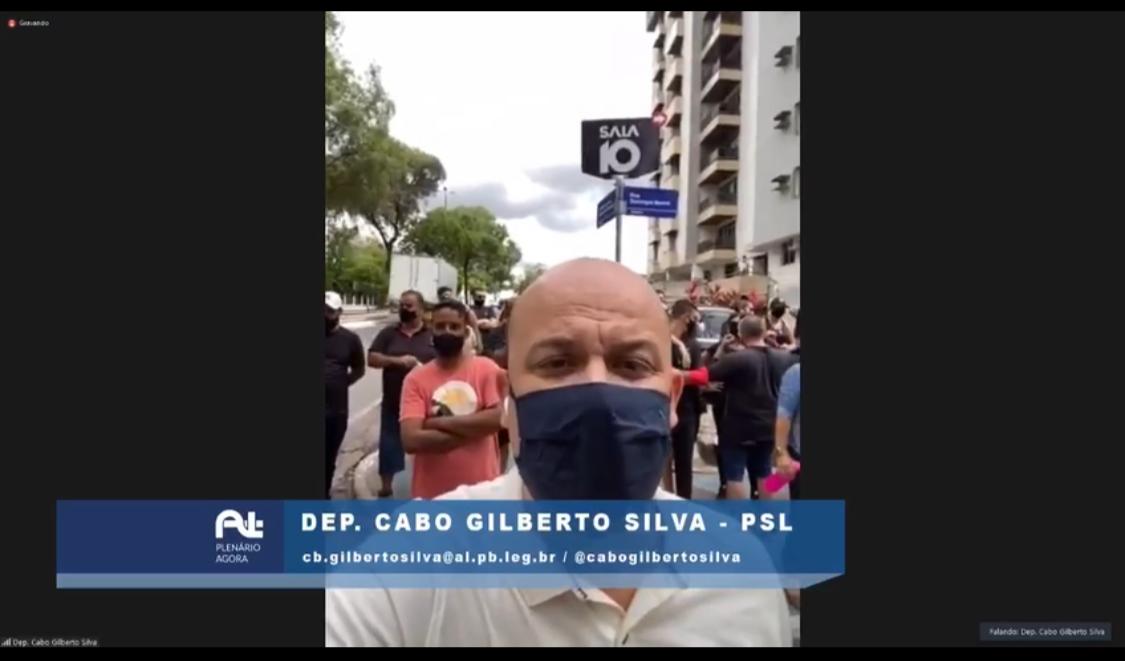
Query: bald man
{"points": [[591, 405]]}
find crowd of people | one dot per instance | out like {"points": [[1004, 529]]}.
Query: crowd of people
{"points": [[442, 372], [750, 380], [590, 377], [443, 368]]}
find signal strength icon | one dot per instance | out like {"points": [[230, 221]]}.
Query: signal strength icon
{"points": [[7, 643]]}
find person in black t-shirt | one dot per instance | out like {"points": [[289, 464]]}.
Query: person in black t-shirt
{"points": [[343, 366], [686, 355], [397, 349]]}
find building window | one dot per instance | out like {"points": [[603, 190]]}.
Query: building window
{"points": [[789, 252], [797, 118], [795, 185], [724, 238], [761, 265], [730, 270]]}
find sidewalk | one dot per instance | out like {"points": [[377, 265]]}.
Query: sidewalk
{"points": [[364, 319]]}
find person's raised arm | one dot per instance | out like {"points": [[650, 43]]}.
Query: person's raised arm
{"points": [[718, 372], [699, 376]]}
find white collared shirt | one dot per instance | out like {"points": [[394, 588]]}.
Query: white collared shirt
{"points": [[562, 617]]}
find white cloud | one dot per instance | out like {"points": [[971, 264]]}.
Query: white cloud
{"points": [[499, 98]]}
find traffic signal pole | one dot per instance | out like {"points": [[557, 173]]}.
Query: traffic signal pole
{"points": [[619, 187]]}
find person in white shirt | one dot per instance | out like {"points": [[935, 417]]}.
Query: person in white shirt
{"points": [[597, 380]]}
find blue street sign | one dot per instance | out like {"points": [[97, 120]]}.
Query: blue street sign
{"points": [[653, 202], [607, 208]]}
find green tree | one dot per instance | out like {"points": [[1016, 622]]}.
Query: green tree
{"points": [[409, 176], [338, 239], [471, 240], [355, 110], [530, 273], [364, 273], [368, 174]]}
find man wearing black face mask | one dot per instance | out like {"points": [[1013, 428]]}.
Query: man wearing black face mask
{"points": [[451, 411], [397, 349], [343, 366], [592, 400]]}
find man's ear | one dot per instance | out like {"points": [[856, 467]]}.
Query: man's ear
{"points": [[677, 391]]}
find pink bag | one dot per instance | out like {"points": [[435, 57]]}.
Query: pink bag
{"points": [[776, 480]]}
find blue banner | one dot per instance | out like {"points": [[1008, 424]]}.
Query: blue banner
{"points": [[447, 544], [607, 208], [652, 202]]}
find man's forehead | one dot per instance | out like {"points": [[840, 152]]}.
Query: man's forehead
{"points": [[605, 319]]}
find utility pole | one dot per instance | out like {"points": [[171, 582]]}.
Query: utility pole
{"points": [[619, 186]]}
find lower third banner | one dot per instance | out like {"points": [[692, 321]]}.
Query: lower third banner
{"points": [[447, 544]]}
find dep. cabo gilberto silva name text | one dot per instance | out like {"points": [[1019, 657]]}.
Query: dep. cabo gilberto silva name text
{"points": [[545, 522]]}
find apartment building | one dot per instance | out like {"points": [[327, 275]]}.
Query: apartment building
{"points": [[729, 83]]}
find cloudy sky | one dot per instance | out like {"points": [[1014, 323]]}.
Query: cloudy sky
{"points": [[499, 98]]}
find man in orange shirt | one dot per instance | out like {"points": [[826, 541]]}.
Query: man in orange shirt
{"points": [[450, 412]]}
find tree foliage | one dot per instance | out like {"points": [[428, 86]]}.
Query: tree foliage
{"points": [[471, 240], [530, 273], [338, 239], [353, 267], [368, 174]]}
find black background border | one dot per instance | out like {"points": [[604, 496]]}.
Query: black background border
{"points": [[961, 182], [960, 170], [168, 172]]}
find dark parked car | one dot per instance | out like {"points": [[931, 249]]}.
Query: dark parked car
{"points": [[714, 325]]}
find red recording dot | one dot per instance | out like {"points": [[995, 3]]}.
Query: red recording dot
{"points": [[11, 22]]}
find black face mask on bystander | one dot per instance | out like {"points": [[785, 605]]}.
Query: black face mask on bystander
{"points": [[447, 345]]}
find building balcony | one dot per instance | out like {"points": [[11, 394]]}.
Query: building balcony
{"points": [[718, 165], [658, 42], [674, 38], [652, 19], [715, 251], [674, 74], [720, 122], [671, 149], [717, 207], [720, 78], [721, 29], [657, 64]]}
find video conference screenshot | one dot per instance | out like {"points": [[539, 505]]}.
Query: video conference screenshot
{"points": [[564, 287]]}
